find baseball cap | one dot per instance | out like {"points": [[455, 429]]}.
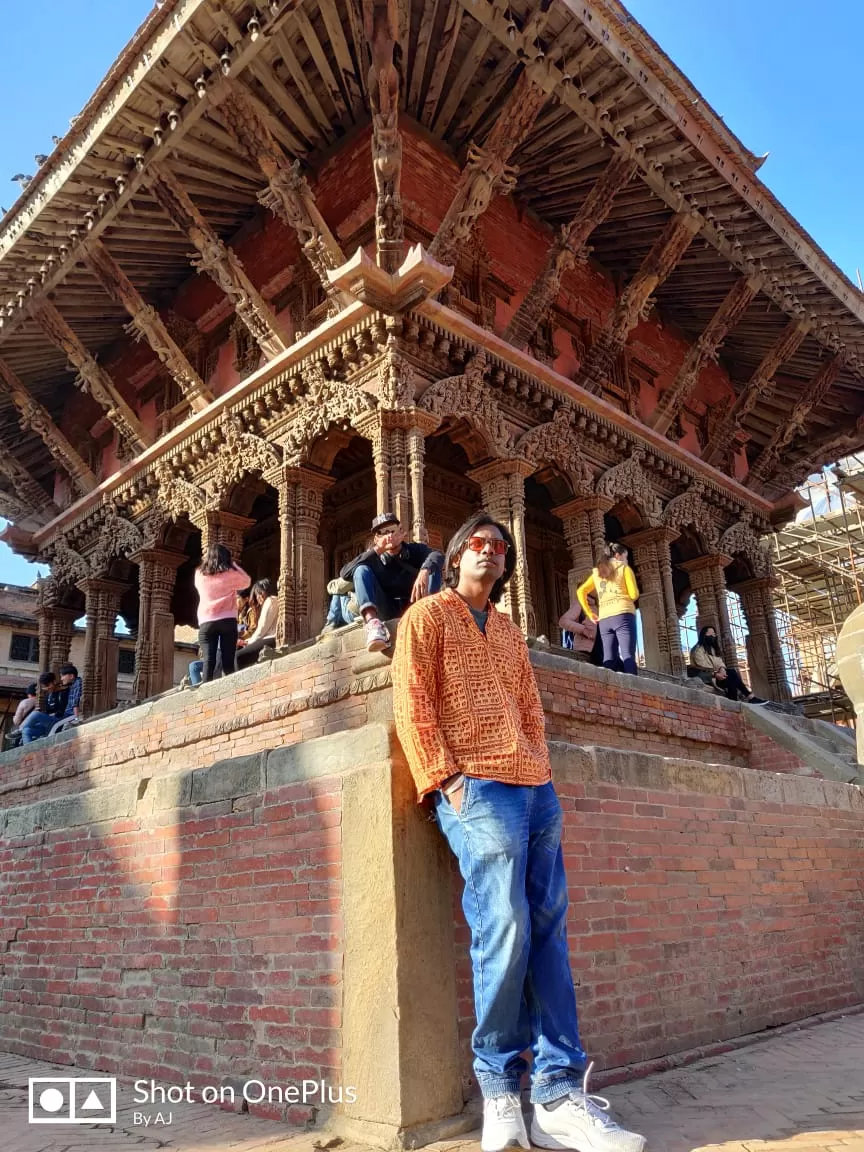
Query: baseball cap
{"points": [[384, 521]]}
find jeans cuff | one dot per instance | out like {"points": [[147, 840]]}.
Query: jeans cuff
{"points": [[492, 1086], [554, 1087]]}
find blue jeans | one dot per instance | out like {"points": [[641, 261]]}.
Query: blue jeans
{"points": [[339, 614], [368, 591], [618, 634], [196, 672], [36, 725], [507, 839]]}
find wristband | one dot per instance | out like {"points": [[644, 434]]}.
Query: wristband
{"points": [[454, 784]]}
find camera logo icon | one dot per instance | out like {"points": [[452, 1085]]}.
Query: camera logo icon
{"points": [[72, 1100]]}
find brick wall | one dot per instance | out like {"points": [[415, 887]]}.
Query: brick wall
{"points": [[706, 903], [171, 889]]}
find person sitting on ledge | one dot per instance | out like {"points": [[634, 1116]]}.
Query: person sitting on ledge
{"points": [[62, 708], [26, 706], [580, 633], [264, 635], [389, 576], [707, 661]]}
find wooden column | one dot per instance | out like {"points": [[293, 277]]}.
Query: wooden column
{"points": [[309, 563], [709, 587], [487, 172], [147, 324], [812, 396], [582, 520], [101, 648], [502, 487], [760, 385], [764, 651], [92, 377], [284, 481], [217, 260], [730, 311], [220, 527], [154, 651], [569, 249], [634, 301], [32, 416], [660, 636], [422, 424]]}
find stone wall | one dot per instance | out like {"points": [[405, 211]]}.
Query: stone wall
{"points": [[228, 883]]}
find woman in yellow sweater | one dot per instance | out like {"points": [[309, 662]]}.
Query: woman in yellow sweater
{"points": [[614, 585]]}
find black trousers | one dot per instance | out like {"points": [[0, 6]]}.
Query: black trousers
{"points": [[215, 636], [249, 654], [733, 685]]}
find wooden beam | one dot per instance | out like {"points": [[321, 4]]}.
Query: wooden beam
{"points": [[568, 249], [217, 260], [147, 324], [766, 464], [635, 300], [92, 377], [30, 497], [33, 417], [730, 311], [288, 194], [759, 385]]}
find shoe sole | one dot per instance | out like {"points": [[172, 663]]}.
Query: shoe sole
{"points": [[544, 1140], [377, 645], [501, 1147]]}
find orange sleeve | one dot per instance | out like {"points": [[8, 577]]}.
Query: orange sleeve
{"points": [[528, 698], [416, 694]]}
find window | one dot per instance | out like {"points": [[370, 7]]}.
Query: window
{"points": [[126, 662], [24, 648]]}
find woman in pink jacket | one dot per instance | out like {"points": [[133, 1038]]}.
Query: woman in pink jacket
{"points": [[217, 582]]}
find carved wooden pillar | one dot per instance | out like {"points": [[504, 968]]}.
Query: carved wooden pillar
{"points": [[764, 651], [502, 487], [220, 527], [709, 587], [154, 651], [309, 562], [634, 301], [101, 649], [374, 428], [381, 26], [582, 519], [660, 636], [284, 480], [56, 626]]}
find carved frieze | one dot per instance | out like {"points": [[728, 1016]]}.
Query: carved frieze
{"points": [[67, 565], [117, 537], [468, 396], [629, 481], [556, 442], [326, 403], [689, 510], [741, 539]]}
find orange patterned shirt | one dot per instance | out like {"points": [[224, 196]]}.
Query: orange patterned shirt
{"points": [[465, 702]]}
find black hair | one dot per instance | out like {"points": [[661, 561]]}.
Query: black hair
{"points": [[46, 678], [216, 559], [261, 589], [68, 670], [457, 546], [709, 643], [32, 689], [604, 564]]}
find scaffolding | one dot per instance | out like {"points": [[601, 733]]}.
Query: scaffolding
{"points": [[819, 558]]}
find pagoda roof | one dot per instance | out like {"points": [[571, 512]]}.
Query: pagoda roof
{"points": [[609, 86]]}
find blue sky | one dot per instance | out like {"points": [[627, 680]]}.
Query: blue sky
{"points": [[785, 77]]}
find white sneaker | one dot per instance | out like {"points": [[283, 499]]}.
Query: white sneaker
{"points": [[582, 1123], [377, 636], [503, 1124]]}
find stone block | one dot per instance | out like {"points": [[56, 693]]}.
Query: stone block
{"points": [[228, 778], [329, 755], [170, 792]]}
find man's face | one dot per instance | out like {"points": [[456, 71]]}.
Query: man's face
{"points": [[390, 538], [51, 685], [479, 561], [66, 678]]}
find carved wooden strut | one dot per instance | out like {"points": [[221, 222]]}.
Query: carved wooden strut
{"points": [[217, 260], [381, 26]]}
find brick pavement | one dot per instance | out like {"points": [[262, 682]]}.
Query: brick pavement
{"points": [[801, 1090]]}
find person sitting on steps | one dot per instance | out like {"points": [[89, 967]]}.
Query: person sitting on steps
{"points": [[706, 658], [264, 635], [389, 576]]}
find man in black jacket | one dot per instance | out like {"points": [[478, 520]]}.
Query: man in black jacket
{"points": [[389, 576]]}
